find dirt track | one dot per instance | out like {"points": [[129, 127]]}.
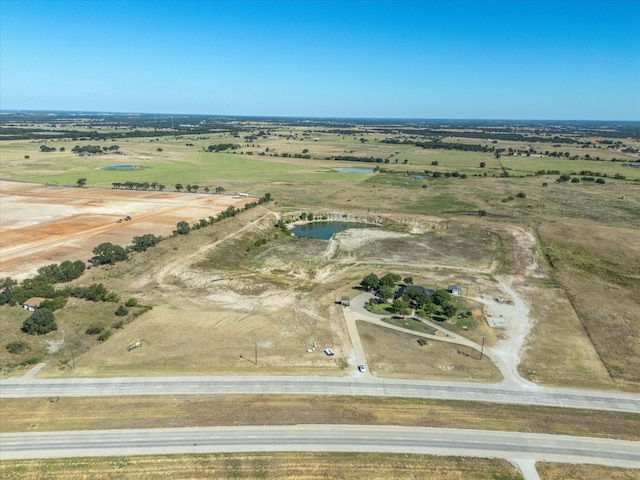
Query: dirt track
{"points": [[42, 224]]}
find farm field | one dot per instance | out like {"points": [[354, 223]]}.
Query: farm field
{"points": [[50, 224]]}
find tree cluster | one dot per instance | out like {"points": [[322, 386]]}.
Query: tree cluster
{"points": [[417, 298], [65, 272], [221, 147], [138, 185]]}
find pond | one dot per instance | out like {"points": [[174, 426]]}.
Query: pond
{"points": [[325, 230], [119, 167], [355, 170]]}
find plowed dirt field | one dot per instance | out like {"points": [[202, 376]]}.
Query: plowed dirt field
{"points": [[40, 224]]}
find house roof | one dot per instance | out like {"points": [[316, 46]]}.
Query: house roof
{"points": [[406, 288], [34, 301]]}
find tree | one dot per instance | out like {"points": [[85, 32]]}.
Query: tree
{"points": [[386, 292], [54, 304], [389, 280], [179, 187], [81, 182], [483, 164], [441, 297], [408, 280], [146, 241], [370, 282], [122, 311], [41, 322], [449, 310], [182, 228], [401, 306], [108, 253], [600, 181]]}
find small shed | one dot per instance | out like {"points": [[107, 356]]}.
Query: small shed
{"points": [[33, 303], [454, 290], [344, 301]]}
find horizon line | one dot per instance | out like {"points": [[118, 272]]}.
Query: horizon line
{"points": [[310, 117]]}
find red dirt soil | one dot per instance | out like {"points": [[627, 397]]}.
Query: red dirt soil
{"points": [[40, 224]]}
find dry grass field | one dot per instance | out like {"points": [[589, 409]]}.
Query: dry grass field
{"points": [[398, 355], [250, 466], [51, 414], [556, 471]]}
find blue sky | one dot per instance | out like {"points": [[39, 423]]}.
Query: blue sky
{"points": [[501, 59]]}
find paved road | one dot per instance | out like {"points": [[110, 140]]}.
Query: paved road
{"points": [[323, 438], [366, 386]]}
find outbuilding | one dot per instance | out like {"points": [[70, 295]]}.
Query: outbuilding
{"points": [[454, 290], [33, 303]]}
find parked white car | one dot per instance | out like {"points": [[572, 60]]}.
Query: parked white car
{"points": [[361, 368], [328, 351]]}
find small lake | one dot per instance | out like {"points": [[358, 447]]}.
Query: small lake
{"points": [[119, 167], [355, 170], [325, 230]]}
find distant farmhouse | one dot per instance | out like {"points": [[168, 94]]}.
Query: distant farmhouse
{"points": [[33, 303], [413, 288]]}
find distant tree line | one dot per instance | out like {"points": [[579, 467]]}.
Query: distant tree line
{"points": [[183, 227], [221, 147]]}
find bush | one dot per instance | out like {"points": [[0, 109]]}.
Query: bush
{"points": [[17, 346], [54, 304], [122, 311], [600, 181], [94, 330], [104, 336], [118, 325], [521, 195], [132, 302], [41, 322]]}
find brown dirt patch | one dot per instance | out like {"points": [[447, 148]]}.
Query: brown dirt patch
{"points": [[42, 224]]}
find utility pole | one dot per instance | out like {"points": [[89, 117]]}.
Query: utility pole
{"points": [[482, 348], [256, 351], [73, 359]]}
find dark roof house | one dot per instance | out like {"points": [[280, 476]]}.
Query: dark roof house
{"points": [[414, 288]]}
